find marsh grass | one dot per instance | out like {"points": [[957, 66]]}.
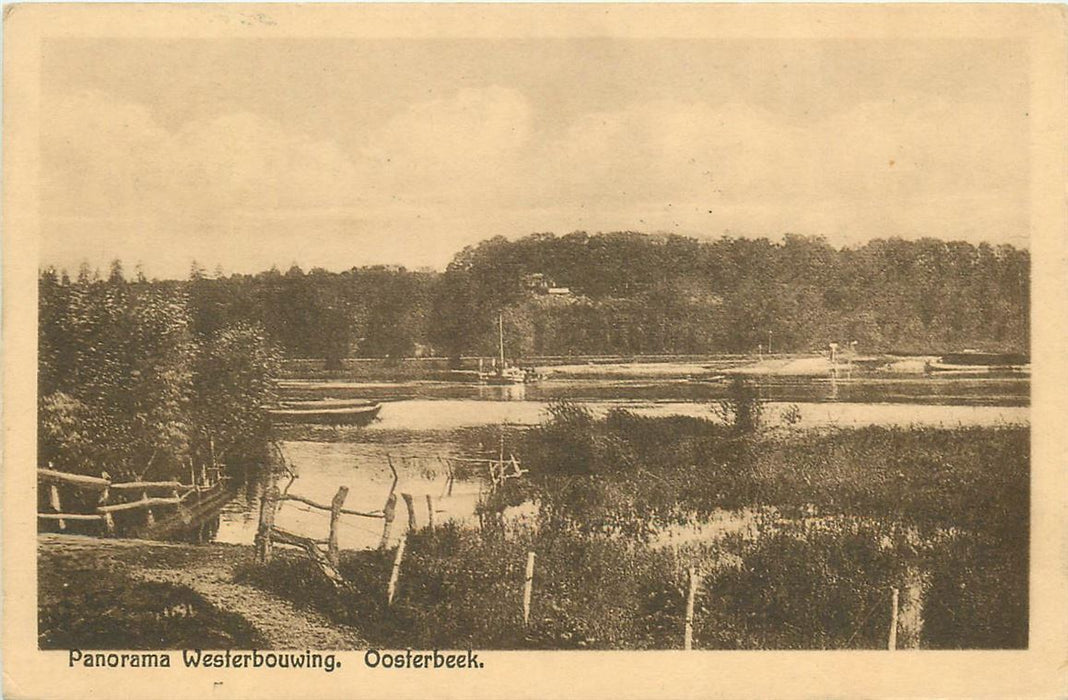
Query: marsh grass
{"points": [[855, 510]]}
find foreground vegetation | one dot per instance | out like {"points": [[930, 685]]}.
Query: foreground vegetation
{"points": [[818, 528], [805, 533]]}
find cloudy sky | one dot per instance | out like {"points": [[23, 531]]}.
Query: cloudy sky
{"points": [[335, 153]]}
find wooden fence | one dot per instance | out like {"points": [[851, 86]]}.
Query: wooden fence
{"points": [[268, 534], [155, 506]]}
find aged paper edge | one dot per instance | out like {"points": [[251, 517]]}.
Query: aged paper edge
{"points": [[1039, 671]]}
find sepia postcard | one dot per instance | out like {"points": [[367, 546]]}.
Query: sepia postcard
{"points": [[534, 351]]}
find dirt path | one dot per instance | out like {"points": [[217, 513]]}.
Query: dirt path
{"points": [[208, 570]]}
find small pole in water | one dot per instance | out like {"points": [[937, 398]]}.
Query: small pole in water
{"points": [[332, 552], [410, 505], [389, 511]]}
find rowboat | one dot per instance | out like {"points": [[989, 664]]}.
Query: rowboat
{"points": [[326, 412]]}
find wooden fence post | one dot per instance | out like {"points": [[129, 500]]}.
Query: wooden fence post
{"points": [[150, 520], [388, 513], [109, 521], [430, 511], [335, 514], [268, 505], [53, 501], [891, 643], [528, 584], [410, 505], [395, 573], [687, 642], [910, 610]]}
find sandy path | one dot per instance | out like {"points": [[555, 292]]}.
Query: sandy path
{"points": [[209, 571]]}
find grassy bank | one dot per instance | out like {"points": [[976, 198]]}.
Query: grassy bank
{"points": [[628, 473], [789, 589]]}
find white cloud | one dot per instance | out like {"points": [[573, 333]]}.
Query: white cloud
{"points": [[247, 191], [458, 146]]}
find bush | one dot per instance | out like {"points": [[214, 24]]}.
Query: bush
{"points": [[803, 588], [742, 408]]}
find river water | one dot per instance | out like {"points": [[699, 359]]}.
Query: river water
{"points": [[417, 429]]}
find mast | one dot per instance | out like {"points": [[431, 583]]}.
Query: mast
{"points": [[500, 335]]}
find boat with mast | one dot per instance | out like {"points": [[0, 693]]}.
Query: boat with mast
{"points": [[502, 373]]}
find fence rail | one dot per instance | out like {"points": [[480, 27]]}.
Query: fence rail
{"points": [[268, 534], [154, 495]]}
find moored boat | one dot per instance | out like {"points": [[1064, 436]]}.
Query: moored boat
{"points": [[326, 412], [973, 361], [503, 373]]}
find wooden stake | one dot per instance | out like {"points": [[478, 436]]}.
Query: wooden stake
{"points": [[910, 610], [268, 505], [396, 569], [335, 514], [409, 503], [430, 510], [528, 584], [388, 512], [149, 519], [687, 642], [891, 643], [53, 500]]}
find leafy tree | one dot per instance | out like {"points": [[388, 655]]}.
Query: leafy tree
{"points": [[127, 386]]}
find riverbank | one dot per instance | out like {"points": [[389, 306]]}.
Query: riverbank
{"points": [[798, 539]]}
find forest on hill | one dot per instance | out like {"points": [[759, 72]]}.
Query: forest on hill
{"points": [[622, 294]]}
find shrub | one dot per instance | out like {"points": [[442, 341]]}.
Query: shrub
{"points": [[742, 408]]}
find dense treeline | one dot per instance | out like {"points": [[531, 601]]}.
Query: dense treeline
{"points": [[628, 293], [133, 383], [631, 293]]}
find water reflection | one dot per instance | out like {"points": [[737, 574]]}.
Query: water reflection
{"points": [[504, 392], [322, 467]]}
